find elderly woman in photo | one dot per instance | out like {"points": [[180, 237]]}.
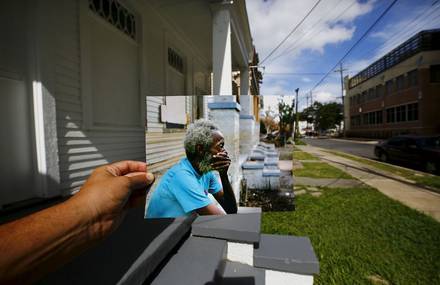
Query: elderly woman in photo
{"points": [[184, 188]]}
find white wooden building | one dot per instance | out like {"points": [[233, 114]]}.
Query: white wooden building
{"points": [[82, 83]]}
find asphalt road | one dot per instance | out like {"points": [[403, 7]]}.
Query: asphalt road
{"points": [[360, 148]]}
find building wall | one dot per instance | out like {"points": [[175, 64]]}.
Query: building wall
{"points": [[424, 93]]}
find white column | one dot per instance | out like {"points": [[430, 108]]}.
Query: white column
{"points": [[244, 81], [221, 50]]}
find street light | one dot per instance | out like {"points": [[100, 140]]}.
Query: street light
{"points": [[296, 131]]}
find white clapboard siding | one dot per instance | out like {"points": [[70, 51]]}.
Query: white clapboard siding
{"points": [[81, 151], [153, 114], [164, 150]]}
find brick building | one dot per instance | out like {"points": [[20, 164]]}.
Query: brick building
{"points": [[399, 93]]}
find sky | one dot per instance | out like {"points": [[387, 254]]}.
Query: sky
{"points": [[323, 39]]}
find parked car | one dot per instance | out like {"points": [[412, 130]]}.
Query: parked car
{"points": [[423, 151]]}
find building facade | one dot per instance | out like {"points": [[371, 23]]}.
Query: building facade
{"points": [[85, 83], [399, 93]]}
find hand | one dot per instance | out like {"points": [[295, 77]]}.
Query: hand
{"points": [[110, 190], [221, 162]]}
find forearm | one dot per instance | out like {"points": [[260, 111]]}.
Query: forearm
{"points": [[35, 245], [227, 201]]}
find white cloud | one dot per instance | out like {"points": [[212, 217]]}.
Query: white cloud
{"points": [[272, 20]]}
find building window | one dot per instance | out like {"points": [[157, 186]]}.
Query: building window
{"points": [[116, 14], [412, 78], [379, 117], [380, 91], [372, 118], [413, 112], [371, 94], [435, 73], [401, 113], [400, 82], [391, 115], [365, 119], [389, 85], [364, 97], [175, 60]]}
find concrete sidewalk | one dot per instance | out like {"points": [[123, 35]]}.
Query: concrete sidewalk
{"points": [[395, 187]]}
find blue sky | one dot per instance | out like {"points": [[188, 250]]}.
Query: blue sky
{"points": [[332, 28]]}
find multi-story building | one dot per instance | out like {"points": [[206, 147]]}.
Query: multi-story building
{"points": [[399, 93]]}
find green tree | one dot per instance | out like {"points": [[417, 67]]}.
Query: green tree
{"points": [[286, 115], [324, 116]]}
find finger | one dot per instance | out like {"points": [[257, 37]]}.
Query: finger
{"points": [[127, 166], [221, 163], [139, 180]]}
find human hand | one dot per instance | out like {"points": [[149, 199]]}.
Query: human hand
{"points": [[110, 190], [221, 162]]}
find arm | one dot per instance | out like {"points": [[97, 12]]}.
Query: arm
{"points": [[226, 196], [211, 209], [37, 244]]}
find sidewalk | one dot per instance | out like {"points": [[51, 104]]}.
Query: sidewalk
{"points": [[396, 188]]}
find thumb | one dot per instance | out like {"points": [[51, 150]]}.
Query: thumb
{"points": [[140, 179]]}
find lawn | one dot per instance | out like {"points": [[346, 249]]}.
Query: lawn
{"points": [[359, 234], [425, 179], [301, 155], [320, 170]]}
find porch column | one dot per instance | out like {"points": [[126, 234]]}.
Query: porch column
{"points": [[247, 119], [221, 50], [224, 110]]}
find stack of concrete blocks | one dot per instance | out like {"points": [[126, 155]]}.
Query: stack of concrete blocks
{"points": [[261, 170]]}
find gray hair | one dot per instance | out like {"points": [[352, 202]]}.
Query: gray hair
{"points": [[199, 133]]}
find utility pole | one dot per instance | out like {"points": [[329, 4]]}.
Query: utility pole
{"points": [[296, 132], [341, 71]]}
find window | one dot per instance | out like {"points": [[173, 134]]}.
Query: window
{"points": [[379, 117], [365, 119], [364, 97], [358, 99], [435, 73], [401, 113], [371, 94], [380, 91], [175, 60], [116, 14], [412, 78], [372, 118], [389, 85], [413, 112], [400, 82], [391, 115]]}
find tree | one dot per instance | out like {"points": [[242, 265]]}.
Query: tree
{"points": [[286, 115], [324, 116]]}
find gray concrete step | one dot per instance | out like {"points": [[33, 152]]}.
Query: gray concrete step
{"points": [[196, 262], [286, 253]]}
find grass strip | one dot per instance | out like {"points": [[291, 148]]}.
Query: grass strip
{"points": [[320, 170], [425, 179], [301, 155], [359, 235]]}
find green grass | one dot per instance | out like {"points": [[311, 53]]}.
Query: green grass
{"points": [[426, 179], [320, 170], [299, 142], [301, 155], [358, 233]]}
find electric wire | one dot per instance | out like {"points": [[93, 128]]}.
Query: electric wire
{"points": [[291, 32]]}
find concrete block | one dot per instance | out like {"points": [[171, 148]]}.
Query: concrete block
{"points": [[241, 252], [196, 262], [286, 253], [249, 210], [271, 171], [235, 273], [257, 156], [233, 227], [252, 165], [271, 161], [283, 278]]}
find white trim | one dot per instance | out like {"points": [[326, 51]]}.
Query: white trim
{"points": [[39, 127]]}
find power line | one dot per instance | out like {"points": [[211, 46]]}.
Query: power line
{"points": [[296, 44], [291, 32], [356, 43]]}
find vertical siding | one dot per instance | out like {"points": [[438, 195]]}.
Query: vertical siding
{"points": [[81, 151]]}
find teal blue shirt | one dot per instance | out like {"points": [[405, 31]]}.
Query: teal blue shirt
{"points": [[181, 191]]}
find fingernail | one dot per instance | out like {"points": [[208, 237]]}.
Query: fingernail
{"points": [[150, 176]]}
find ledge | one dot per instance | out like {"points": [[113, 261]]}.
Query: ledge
{"points": [[247, 117], [233, 227], [286, 253], [224, 105]]}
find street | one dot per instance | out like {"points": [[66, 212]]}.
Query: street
{"points": [[360, 148]]}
